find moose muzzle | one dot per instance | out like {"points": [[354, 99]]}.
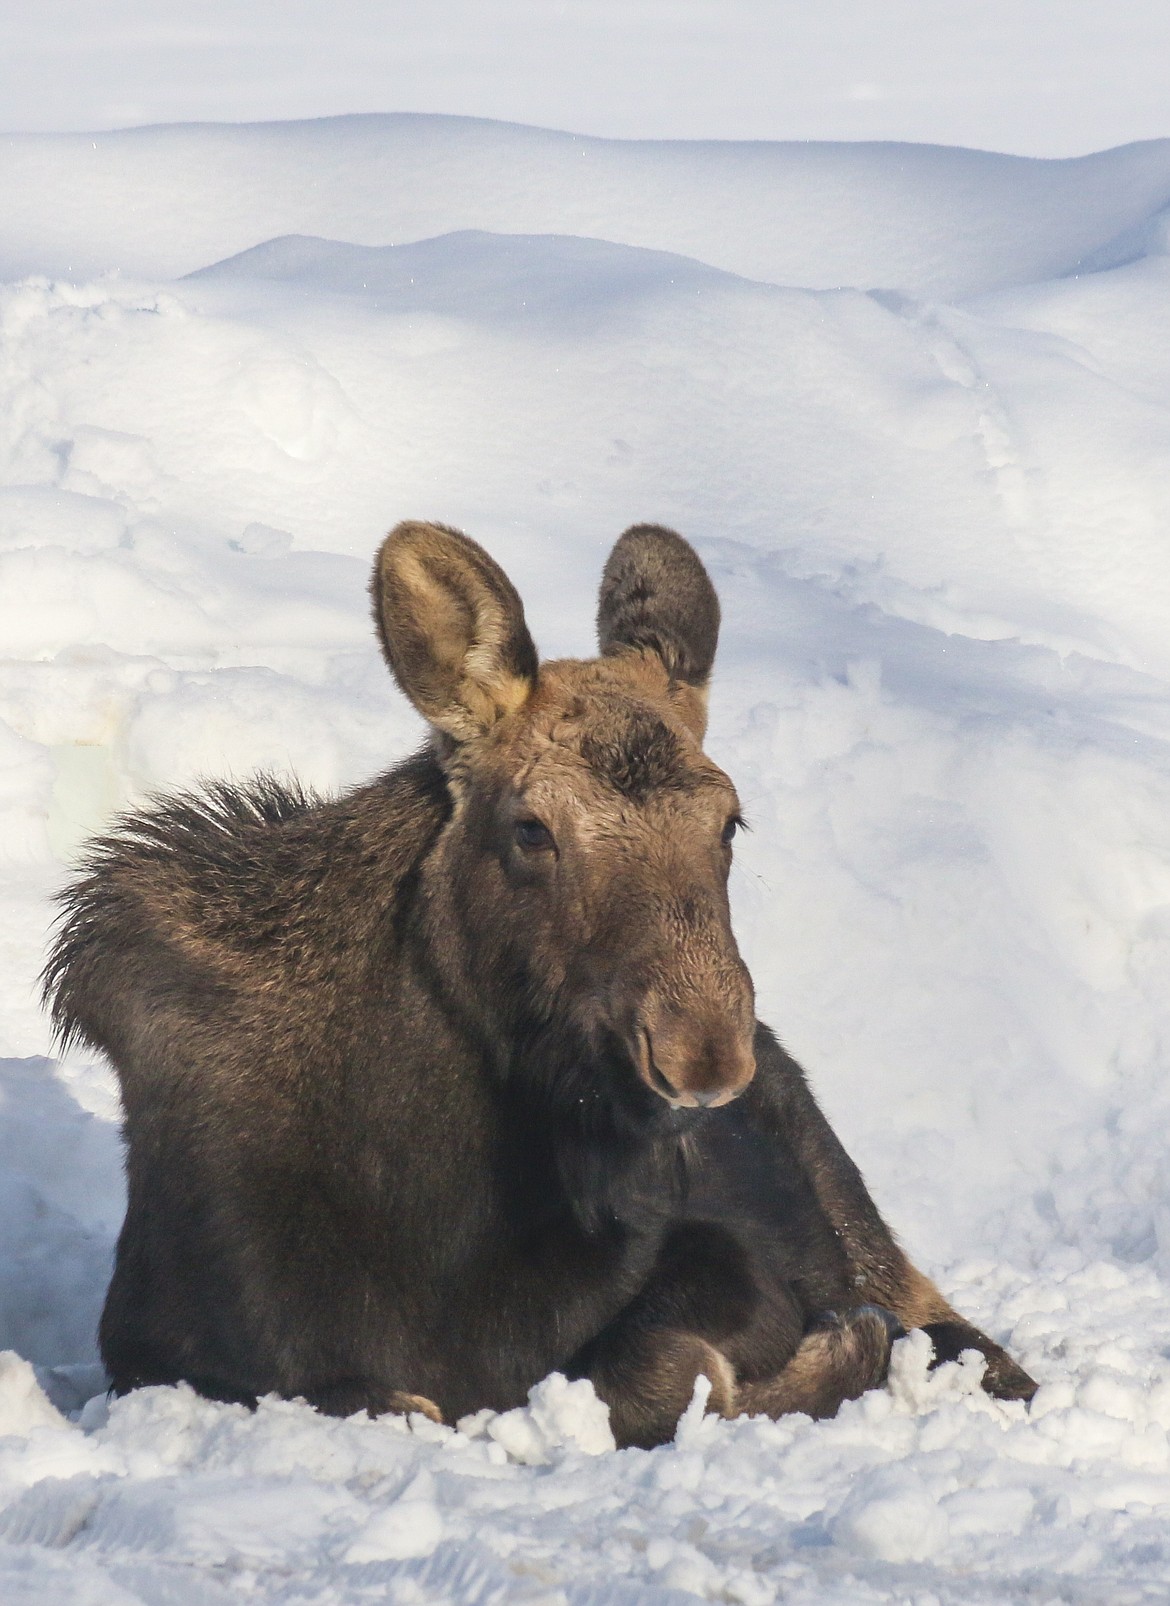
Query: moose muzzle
{"points": [[694, 1060]]}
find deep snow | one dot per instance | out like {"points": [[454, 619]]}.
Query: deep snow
{"points": [[913, 407]]}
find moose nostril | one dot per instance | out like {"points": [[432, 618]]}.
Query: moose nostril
{"points": [[657, 1080]]}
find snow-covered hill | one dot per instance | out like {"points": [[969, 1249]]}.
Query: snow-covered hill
{"points": [[918, 218], [913, 407]]}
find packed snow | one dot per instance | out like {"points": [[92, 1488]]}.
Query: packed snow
{"points": [[912, 405]]}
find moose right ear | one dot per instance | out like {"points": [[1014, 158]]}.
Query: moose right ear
{"points": [[452, 629], [657, 597]]}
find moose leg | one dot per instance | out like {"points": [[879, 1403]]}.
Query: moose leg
{"points": [[838, 1359], [707, 1310], [647, 1377], [881, 1273], [645, 1362], [1003, 1377]]}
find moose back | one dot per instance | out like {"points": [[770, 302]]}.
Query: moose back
{"points": [[456, 1080]]}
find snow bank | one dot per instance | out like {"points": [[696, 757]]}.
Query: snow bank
{"points": [[938, 526], [924, 219], [928, 1490]]}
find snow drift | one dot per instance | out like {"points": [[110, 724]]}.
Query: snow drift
{"points": [[913, 407]]}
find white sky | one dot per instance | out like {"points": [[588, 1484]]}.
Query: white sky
{"points": [[1040, 77]]}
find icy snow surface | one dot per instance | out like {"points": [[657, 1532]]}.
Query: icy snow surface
{"points": [[913, 407]]}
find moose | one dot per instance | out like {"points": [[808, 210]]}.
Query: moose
{"points": [[455, 1080]]}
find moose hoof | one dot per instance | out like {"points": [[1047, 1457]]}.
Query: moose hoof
{"points": [[860, 1343], [408, 1404], [1003, 1379], [887, 1318], [829, 1321], [350, 1395]]}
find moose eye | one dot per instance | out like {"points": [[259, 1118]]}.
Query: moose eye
{"points": [[730, 829], [531, 835]]}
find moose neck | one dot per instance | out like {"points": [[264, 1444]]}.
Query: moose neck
{"points": [[581, 1137], [585, 1143]]}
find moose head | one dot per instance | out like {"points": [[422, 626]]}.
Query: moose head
{"points": [[580, 880]]}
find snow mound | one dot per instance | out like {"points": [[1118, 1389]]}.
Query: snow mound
{"points": [[930, 221], [473, 273]]}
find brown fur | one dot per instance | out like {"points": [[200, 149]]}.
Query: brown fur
{"points": [[653, 1384], [837, 1361], [452, 629]]}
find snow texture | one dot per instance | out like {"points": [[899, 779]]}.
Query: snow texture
{"points": [[913, 407]]}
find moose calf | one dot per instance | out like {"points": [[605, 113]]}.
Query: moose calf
{"points": [[456, 1080]]}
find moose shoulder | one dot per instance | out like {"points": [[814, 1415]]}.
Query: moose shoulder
{"points": [[456, 1080]]}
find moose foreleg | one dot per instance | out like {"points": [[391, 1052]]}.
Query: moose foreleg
{"points": [[645, 1362], [837, 1360], [646, 1374], [647, 1377], [882, 1274], [1003, 1377]]}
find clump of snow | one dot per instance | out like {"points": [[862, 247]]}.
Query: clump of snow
{"points": [[913, 407], [559, 1415], [23, 1407]]}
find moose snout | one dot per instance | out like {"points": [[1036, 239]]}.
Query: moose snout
{"points": [[694, 1063]]}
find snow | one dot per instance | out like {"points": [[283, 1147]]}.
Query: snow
{"points": [[922, 219], [913, 407]]}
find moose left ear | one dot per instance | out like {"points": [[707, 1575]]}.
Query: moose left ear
{"points": [[657, 597]]}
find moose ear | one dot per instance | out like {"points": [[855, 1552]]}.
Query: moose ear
{"points": [[656, 596], [452, 629]]}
